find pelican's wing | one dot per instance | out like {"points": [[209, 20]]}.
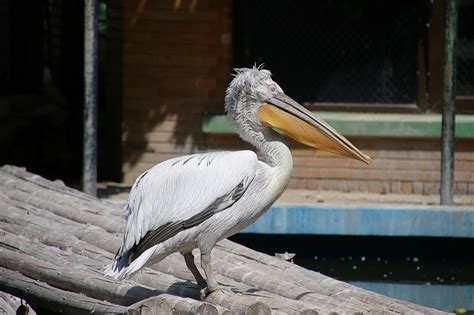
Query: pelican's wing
{"points": [[181, 193]]}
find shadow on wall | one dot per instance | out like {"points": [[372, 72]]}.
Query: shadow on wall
{"points": [[163, 132], [174, 67]]}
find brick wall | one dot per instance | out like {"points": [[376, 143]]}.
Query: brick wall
{"points": [[399, 166], [174, 59], [171, 63]]}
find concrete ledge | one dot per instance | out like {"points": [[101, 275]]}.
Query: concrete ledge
{"points": [[377, 220], [371, 124], [363, 220]]}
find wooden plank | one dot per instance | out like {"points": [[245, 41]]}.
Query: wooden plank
{"points": [[172, 264], [253, 275], [68, 251], [79, 280], [175, 305], [12, 305], [74, 247], [46, 297], [96, 260], [326, 285], [37, 261]]}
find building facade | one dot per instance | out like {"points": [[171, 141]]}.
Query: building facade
{"points": [[372, 70], [357, 59]]}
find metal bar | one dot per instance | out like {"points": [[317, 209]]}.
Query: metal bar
{"points": [[89, 168], [449, 97]]}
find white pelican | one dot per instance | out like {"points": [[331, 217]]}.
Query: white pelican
{"points": [[196, 200]]}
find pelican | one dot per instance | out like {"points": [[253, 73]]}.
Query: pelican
{"points": [[194, 201]]}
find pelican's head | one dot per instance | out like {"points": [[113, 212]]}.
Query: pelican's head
{"points": [[254, 103]]}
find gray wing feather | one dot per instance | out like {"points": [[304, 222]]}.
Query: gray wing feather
{"points": [[181, 193], [170, 229]]}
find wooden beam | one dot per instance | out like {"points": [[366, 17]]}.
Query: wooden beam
{"points": [[63, 238], [46, 297]]}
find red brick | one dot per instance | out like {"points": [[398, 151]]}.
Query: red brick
{"points": [[470, 189], [418, 188], [396, 187], [407, 187], [314, 184], [430, 188], [460, 188], [378, 187], [297, 183]]}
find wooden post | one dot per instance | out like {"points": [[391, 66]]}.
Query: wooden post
{"points": [[89, 167]]}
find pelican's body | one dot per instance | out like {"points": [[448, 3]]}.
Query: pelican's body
{"points": [[196, 200]]}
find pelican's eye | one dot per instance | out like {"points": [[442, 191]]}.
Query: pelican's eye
{"points": [[272, 88]]}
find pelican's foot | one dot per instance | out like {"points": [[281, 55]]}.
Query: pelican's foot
{"points": [[202, 285], [208, 291]]}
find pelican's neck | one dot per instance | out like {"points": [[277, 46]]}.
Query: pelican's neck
{"points": [[273, 152], [276, 154], [268, 143]]}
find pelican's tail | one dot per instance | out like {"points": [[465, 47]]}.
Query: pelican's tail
{"points": [[121, 268]]}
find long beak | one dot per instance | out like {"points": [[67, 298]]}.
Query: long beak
{"points": [[285, 114]]}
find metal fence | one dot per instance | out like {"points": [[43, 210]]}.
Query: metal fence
{"points": [[344, 51], [341, 51], [465, 50]]}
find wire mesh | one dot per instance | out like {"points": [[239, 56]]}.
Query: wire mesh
{"points": [[465, 50], [333, 50]]}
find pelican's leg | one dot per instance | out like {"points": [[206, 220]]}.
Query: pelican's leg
{"points": [[189, 259], [207, 266]]}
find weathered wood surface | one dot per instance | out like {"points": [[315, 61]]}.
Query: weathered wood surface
{"points": [[10, 304], [56, 241]]}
